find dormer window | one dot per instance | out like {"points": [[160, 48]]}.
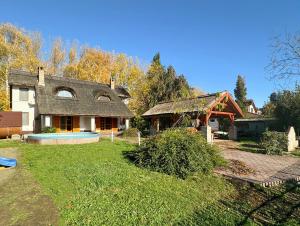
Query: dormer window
{"points": [[65, 93], [103, 98]]}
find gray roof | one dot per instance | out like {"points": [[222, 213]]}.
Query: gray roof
{"points": [[261, 119], [122, 92], [200, 103], [84, 103]]}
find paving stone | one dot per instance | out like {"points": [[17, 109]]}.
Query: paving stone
{"points": [[269, 168]]}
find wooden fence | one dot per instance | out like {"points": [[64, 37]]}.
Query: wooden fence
{"points": [[10, 123]]}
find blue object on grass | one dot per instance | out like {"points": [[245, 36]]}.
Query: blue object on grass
{"points": [[8, 162]]}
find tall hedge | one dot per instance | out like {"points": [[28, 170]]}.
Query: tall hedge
{"points": [[178, 152]]}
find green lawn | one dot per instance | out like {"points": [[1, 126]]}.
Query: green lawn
{"points": [[94, 184], [250, 146]]}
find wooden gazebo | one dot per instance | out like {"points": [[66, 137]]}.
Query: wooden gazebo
{"points": [[201, 109]]}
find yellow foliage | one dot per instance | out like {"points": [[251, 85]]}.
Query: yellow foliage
{"points": [[98, 65], [19, 49]]}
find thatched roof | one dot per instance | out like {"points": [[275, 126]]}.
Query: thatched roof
{"points": [[200, 103], [85, 96]]}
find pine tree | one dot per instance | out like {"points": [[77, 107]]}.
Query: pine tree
{"points": [[165, 85], [240, 91]]}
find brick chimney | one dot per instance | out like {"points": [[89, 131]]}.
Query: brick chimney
{"points": [[41, 76], [112, 82]]}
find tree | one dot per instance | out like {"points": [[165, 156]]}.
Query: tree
{"points": [[285, 57], [287, 108], [19, 49], [57, 58], [240, 92], [165, 85]]}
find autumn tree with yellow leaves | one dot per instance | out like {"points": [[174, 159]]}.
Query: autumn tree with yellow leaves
{"points": [[19, 49]]}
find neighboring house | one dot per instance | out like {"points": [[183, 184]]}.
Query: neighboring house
{"points": [[201, 109], [67, 104], [250, 107], [254, 125]]}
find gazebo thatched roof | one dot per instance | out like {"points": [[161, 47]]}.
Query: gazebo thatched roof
{"points": [[198, 104]]}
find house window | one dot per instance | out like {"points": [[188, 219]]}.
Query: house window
{"points": [[25, 118], [23, 94], [65, 93], [105, 123], [47, 121], [104, 98]]}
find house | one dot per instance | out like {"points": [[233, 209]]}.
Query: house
{"points": [[201, 109], [69, 105], [250, 107]]}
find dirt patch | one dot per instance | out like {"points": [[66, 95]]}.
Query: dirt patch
{"points": [[238, 168], [22, 201]]}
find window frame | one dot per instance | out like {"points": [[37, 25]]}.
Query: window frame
{"points": [[67, 91], [22, 90], [27, 113]]}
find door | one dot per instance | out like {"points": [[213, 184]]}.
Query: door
{"points": [[66, 124]]}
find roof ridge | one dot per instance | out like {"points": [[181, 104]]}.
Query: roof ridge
{"points": [[27, 73], [192, 98]]}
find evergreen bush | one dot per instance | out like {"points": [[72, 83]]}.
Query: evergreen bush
{"points": [[178, 152], [49, 130], [274, 143], [130, 132]]}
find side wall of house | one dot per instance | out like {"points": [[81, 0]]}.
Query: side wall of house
{"points": [[24, 106]]}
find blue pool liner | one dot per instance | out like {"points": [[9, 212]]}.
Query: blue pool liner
{"points": [[42, 136]]}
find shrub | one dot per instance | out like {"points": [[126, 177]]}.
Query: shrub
{"points": [[274, 143], [49, 130], [140, 123], [131, 132], [178, 152]]}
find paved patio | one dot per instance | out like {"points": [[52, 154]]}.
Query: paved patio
{"points": [[268, 170]]}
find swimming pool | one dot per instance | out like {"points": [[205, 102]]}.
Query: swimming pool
{"points": [[63, 138]]}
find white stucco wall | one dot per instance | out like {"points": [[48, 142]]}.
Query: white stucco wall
{"points": [[24, 106], [251, 109]]}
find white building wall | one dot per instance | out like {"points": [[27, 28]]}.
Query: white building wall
{"points": [[251, 109], [24, 106]]}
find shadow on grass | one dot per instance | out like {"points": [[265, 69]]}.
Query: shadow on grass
{"points": [[251, 147], [130, 156], [252, 203]]}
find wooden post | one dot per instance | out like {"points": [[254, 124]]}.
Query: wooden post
{"points": [[157, 125], [139, 138]]}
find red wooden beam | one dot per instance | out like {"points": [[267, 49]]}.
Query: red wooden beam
{"points": [[222, 113]]}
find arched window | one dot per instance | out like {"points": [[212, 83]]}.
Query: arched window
{"points": [[103, 98], [66, 93]]}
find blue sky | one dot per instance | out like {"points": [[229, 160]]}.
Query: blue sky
{"points": [[210, 42]]}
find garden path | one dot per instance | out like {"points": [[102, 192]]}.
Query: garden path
{"points": [[266, 170]]}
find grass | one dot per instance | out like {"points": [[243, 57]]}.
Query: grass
{"points": [[93, 184], [296, 152], [250, 146]]}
